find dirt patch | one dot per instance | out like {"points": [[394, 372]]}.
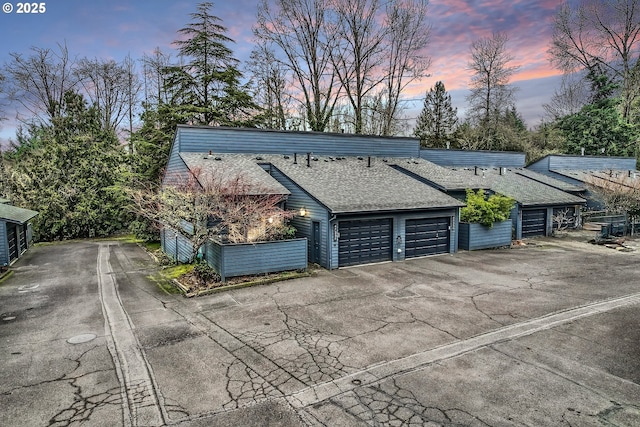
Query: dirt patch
{"points": [[192, 286]]}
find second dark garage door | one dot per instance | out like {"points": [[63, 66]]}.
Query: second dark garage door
{"points": [[426, 236], [364, 241], [534, 222]]}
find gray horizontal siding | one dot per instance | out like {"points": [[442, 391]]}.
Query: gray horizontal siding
{"points": [[4, 244], [176, 246], [477, 236], [591, 163], [243, 140], [314, 212], [555, 162], [231, 260], [176, 171], [473, 158]]}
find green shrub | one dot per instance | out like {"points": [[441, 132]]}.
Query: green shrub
{"points": [[205, 273], [486, 211]]}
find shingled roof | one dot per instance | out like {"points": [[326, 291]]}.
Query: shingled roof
{"points": [[526, 191], [15, 214], [226, 168], [545, 179], [352, 184]]}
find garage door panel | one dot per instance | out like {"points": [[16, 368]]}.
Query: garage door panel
{"points": [[364, 241], [12, 237], [426, 236], [534, 222]]}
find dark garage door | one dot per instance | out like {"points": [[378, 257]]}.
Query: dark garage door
{"points": [[534, 222], [364, 241], [426, 236], [12, 237]]}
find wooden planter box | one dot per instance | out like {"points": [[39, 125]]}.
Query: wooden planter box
{"points": [[240, 259], [477, 236]]}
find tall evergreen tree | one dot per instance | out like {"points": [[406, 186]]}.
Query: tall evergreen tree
{"points": [[438, 119], [69, 171], [206, 88]]}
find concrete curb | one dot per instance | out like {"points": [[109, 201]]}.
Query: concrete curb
{"points": [[6, 275], [187, 294]]}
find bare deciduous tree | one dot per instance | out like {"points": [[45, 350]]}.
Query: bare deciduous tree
{"points": [[154, 77], [39, 81], [491, 92], [569, 100], [598, 35], [110, 86], [270, 85], [298, 29], [358, 51], [205, 206], [407, 35]]}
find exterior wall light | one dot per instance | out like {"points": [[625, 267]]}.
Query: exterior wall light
{"points": [[303, 211]]}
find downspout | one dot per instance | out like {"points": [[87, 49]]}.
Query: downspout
{"points": [[330, 240]]}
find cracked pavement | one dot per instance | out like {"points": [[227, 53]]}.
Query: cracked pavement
{"points": [[547, 334]]}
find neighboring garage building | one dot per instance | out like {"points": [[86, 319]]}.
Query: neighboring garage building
{"points": [[579, 171], [351, 210], [536, 202], [360, 210], [15, 232]]}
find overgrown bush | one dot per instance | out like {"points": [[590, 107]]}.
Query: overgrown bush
{"points": [[205, 273], [486, 210]]}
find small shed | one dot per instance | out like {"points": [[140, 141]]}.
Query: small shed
{"points": [[15, 232]]}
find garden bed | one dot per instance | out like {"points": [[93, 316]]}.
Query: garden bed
{"points": [[191, 286]]}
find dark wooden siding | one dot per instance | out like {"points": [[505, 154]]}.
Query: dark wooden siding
{"points": [[478, 236], [473, 158], [231, 260]]}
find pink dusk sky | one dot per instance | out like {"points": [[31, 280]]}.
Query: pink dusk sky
{"points": [[115, 28]]}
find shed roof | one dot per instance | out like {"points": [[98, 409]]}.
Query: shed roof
{"points": [[227, 168], [349, 184], [15, 214], [545, 179], [627, 179], [526, 191]]}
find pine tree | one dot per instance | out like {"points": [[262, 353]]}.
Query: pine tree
{"points": [[438, 119], [206, 88]]}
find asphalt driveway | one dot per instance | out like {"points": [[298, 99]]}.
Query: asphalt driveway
{"points": [[548, 334]]}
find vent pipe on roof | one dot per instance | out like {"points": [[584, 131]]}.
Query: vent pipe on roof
{"points": [[308, 160], [582, 151], [295, 158], [503, 171], [448, 145], [475, 170], [210, 152], [369, 162]]}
